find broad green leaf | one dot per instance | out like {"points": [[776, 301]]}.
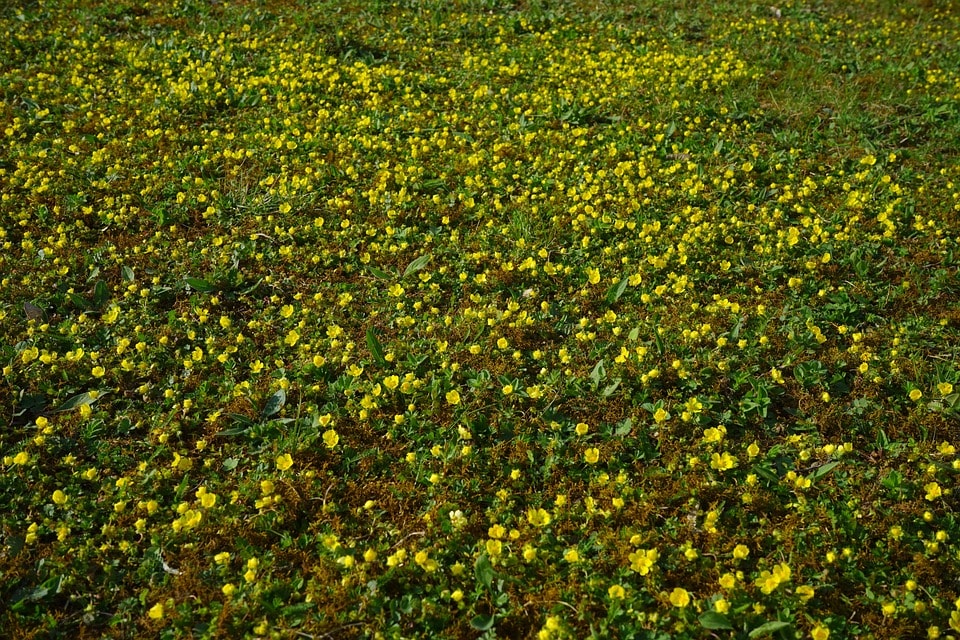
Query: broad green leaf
{"points": [[127, 273], [79, 301], [274, 403], [483, 623], [634, 334], [735, 332], [201, 285], [610, 388], [380, 273], [416, 265], [614, 293], [624, 427], [376, 349], [769, 627], [230, 464], [599, 373], [77, 401], [714, 620], [484, 570], [824, 469], [101, 293]]}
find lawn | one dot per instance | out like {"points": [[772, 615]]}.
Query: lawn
{"points": [[479, 319]]}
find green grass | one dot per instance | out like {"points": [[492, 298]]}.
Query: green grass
{"points": [[479, 319]]}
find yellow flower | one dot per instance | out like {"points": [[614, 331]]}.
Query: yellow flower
{"points": [[156, 611], [391, 382], [593, 275], [330, 438], [820, 632], [571, 555], [59, 497], [592, 455], [616, 592], [945, 388], [181, 463], [643, 560], [679, 597], [98, 372], [933, 491], [292, 338], [285, 461], [741, 551], [453, 397], [538, 517], [722, 461], [805, 592], [21, 458], [229, 589], [721, 606], [916, 394], [582, 428], [494, 548]]}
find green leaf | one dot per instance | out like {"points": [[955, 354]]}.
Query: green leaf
{"points": [[79, 301], [416, 265], [127, 273], [610, 388], [599, 373], [251, 288], [824, 469], [380, 273], [274, 403], [230, 464], [483, 623], [233, 431], [769, 627], [201, 285], [714, 620], [376, 349], [656, 336], [484, 570], [624, 427], [614, 293], [77, 401], [101, 293], [735, 332]]}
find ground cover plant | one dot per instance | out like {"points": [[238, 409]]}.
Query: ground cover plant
{"points": [[479, 319]]}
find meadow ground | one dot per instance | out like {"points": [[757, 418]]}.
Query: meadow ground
{"points": [[479, 319]]}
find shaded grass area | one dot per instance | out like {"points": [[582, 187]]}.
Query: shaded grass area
{"points": [[528, 319]]}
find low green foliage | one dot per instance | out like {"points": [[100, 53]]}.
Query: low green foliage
{"points": [[479, 319]]}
